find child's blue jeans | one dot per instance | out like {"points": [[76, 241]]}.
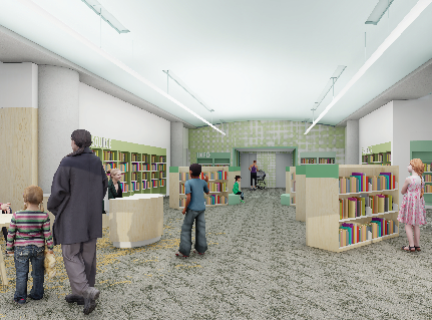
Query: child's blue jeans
{"points": [[22, 257], [200, 233]]}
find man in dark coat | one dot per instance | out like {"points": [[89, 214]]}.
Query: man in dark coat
{"points": [[78, 188]]}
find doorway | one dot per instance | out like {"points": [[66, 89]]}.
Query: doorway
{"points": [[246, 159], [283, 160]]}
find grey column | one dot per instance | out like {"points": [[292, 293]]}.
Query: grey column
{"points": [[177, 140], [58, 118], [352, 152]]}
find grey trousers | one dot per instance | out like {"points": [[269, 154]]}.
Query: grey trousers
{"points": [[80, 263]]}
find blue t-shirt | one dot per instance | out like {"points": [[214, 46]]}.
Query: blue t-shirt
{"points": [[196, 187]]}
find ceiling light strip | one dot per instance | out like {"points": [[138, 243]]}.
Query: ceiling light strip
{"points": [[394, 35], [31, 5]]}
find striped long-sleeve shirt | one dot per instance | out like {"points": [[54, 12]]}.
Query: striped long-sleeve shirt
{"points": [[29, 228]]}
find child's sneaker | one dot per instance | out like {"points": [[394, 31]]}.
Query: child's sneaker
{"points": [[201, 254], [20, 301], [181, 255], [242, 201]]}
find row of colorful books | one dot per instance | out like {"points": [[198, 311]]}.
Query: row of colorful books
{"points": [[217, 186], [161, 167], [162, 174], [135, 186], [144, 167], [359, 182], [428, 177], [155, 159], [155, 175], [219, 175], [125, 187], [355, 207], [293, 200], [135, 157], [216, 199], [428, 188], [183, 176], [308, 160], [326, 160], [145, 176], [388, 157], [122, 157], [124, 167], [352, 233], [96, 152], [427, 167], [110, 166], [109, 155], [136, 167]]}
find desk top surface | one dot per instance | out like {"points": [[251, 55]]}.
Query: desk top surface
{"points": [[5, 219], [140, 197]]}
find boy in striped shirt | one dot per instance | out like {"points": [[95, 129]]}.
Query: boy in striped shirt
{"points": [[28, 231]]}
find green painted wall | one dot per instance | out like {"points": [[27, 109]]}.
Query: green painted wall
{"points": [[257, 133]]}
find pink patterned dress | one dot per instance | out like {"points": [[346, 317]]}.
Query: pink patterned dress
{"points": [[412, 210]]}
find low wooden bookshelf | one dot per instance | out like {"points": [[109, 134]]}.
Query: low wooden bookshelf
{"points": [[323, 220], [220, 185], [291, 184], [143, 167]]}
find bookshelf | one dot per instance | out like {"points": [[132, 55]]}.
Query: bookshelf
{"points": [[291, 184], [422, 149], [323, 220], [300, 175], [135, 162], [221, 181], [317, 157], [379, 154], [217, 159]]}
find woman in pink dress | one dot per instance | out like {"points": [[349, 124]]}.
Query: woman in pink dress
{"points": [[412, 211]]}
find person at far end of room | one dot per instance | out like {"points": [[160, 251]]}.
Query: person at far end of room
{"points": [[253, 168], [114, 184], [412, 211], [194, 211], [236, 188]]}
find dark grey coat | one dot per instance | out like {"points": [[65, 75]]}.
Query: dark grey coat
{"points": [[77, 192]]}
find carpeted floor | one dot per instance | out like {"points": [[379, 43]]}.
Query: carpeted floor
{"points": [[257, 267]]}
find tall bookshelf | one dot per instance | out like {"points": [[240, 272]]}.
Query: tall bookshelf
{"points": [[219, 185], [136, 163], [323, 220], [422, 149], [379, 154], [291, 184], [317, 158]]}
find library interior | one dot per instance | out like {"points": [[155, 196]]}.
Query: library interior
{"points": [[215, 159]]}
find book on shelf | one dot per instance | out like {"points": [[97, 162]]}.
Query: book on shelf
{"points": [[125, 187], [293, 200], [427, 167], [124, 167], [135, 185], [217, 186], [161, 167], [136, 167], [145, 158], [184, 176], [155, 183], [428, 188], [326, 160], [135, 157], [214, 199], [162, 159], [359, 182], [109, 155], [388, 157], [182, 189], [154, 175], [144, 184], [110, 166], [162, 183], [122, 157], [308, 160], [353, 233], [182, 203], [219, 175], [134, 176], [145, 167], [427, 178], [355, 207], [162, 174]]}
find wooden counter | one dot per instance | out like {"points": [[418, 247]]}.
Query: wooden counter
{"points": [[136, 221]]}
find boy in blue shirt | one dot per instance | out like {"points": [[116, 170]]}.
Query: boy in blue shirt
{"points": [[194, 210]]}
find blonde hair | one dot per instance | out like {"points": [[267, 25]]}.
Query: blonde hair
{"points": [[33, 195], [418, 166], [114, 172]]}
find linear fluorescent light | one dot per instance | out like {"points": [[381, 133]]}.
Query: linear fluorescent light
{"points": [[181, 84], [330, 84], [377, 13], [31, 5], [394, 35], [105, 15]]}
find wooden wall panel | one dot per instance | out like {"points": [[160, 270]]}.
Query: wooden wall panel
{"points": [[18, 153]]}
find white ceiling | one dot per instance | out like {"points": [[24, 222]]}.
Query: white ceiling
{"points": [[246, 59]]}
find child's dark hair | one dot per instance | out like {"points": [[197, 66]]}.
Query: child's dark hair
{"points": [[196, 169], [237, 177]]}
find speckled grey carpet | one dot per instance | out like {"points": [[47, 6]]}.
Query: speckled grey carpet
{"points": [[257, 267]]}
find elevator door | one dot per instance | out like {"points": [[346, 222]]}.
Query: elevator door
{"points": [[246, 159]]}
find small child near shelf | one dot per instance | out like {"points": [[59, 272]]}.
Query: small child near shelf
{"points": [[412, 211], [236, 188], [194, 210]]}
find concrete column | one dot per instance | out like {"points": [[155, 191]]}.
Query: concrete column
{"points": [[58, 118], [352, 155], [177, 141]]}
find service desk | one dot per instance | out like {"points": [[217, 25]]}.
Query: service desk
{"points": [[136, 221]]}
